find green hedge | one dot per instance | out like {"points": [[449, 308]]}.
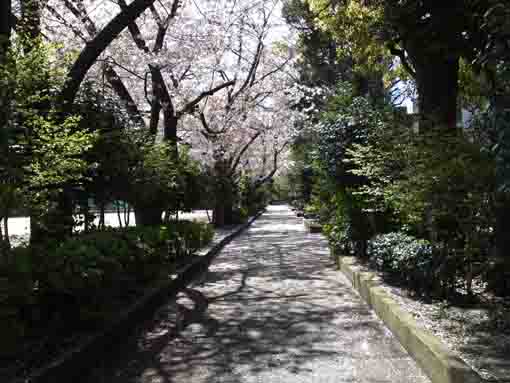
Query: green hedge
{"points": [[84, 279], [416, 263]]}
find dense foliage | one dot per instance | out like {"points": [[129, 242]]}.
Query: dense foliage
{"points": [[83, 280], [102, 113], [375, 173]]}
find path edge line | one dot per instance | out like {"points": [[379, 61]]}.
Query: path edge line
{"points": [[439, 363], [78, 360]]}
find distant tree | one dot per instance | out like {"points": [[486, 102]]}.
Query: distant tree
{"points": [[428, 37]]}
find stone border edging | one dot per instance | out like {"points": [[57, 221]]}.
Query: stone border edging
{"points": [[77, 361], [439, 363], [312, 226]]}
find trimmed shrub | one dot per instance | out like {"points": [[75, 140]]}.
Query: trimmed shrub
{"points": [[82, 280], [412, 261]]}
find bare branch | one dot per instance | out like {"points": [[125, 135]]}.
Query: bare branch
{"points": [[145, 82], [241, 153], [184, 73], [156, 15], [207, 129], [401, 54], [251, 72], [111, 60], [64, 22], [134, 30], [97, 46], [191, 105], [269, 176], [277, 69], [163, 25]]}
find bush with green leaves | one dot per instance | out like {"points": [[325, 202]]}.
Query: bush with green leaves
{"points": [[348, 120], [441, 186], [129, 166], [252, 198], [174, 239], [82, 279], [42, 151], [422, 267], [375, 173], [410, 260]]}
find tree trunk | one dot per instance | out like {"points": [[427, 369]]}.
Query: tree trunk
{"points": [[170, 127], [5, 28], [101, 224], [501, 105], [127, 213], [118, 86], [223, 212], [223, 195], [218, 214], [119, 218], [6, 239], [437, 79], [148, 216], [5, 37]]}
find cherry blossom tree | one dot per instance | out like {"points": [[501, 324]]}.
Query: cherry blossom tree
{"points": [[245, 129], [209, 70]]}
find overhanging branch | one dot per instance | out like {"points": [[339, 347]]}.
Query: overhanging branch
{"points": [[97, 46], [191, 105], [403, 59], [269, 176], [241, 153]]}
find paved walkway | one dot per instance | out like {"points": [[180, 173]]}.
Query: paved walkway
{"points": [[271, 309]]}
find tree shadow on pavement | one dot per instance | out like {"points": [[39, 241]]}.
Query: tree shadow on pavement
{"points": [[271, 300]]}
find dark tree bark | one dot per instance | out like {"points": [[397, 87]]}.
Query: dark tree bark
{"points": [[120, 89], [5, 37], [111, 75], [148, 215], [97, 46], [436, 72], [223, 194], [160, 90], [501, 105], [437, 79], [5, 28], [155, 109], [434, 35]]}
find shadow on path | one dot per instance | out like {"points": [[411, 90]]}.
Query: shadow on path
{"points": [[271, 308]]}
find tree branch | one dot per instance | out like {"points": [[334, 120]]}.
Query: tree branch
{"points": [[251, 72], [277, 69], [80, 13], [111, 75], [163, 25], [265, 179], [401, 54], [162, 97], [241, 153], [64, 22], [135, 32], [96, 47], [207, 130], [191, 105]]}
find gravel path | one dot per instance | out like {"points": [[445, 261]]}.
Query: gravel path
{"points": [[271, 309]]}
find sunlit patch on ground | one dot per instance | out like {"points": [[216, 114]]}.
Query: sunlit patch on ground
{"points": [[272, 308]]}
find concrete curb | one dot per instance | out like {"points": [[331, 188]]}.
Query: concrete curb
{"points": [[436, 360], [312, 226], [78, 360]]}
